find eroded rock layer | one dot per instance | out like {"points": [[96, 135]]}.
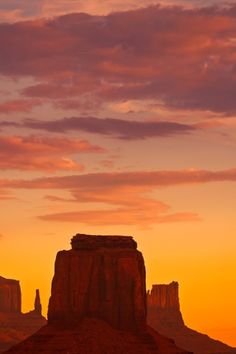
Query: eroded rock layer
{"points": [[16, 326], [164, 315], [101, 277], [98, 303], [163, 306], [10, 296]]}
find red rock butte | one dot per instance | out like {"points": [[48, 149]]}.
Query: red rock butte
{"points": [[164, 315], [98, 303], [10, 295], [15, 326], [105, 276]]}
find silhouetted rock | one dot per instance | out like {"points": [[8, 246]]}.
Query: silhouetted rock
{"points": [[14, 325], [106, 279], [164, 315], [37, 303], [10, 296], [98, 303], [86, 242], [163, 303]]}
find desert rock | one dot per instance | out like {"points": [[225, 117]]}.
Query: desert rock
{"points": [[98, 303]]}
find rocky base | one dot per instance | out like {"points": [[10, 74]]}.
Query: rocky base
{"points": [[165, 316], [14, 328], [94, 336]]}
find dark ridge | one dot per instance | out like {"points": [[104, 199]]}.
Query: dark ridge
{"points": [[83, 241]]}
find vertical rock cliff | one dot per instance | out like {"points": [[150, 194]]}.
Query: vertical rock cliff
{"points": [[101, 277], [98, 303], [37, 304], [164, 315], [10, 296], [163, 306], [15, 326]]}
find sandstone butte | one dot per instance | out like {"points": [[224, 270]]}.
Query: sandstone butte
{"points": [[98, 303], [14, 325], [164, 315]]}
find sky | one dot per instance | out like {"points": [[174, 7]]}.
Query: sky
{"points": [[121, 119]]}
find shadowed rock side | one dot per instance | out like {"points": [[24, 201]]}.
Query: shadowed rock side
{"points": [[164, 315], [101, 277], [10, 296], [14, 325], [98, 303]]}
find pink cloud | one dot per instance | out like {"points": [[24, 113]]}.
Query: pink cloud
{"points": [[42, 153], [183, 58], [118, 128], [102, 182], [141, 217], [20, 105], [126, 195], [5, 195], [12, 10]]}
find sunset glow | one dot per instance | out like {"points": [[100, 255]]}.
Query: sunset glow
{"points": [[121, 119]]}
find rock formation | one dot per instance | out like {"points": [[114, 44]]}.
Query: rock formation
{"points": [[10, 296], [37, 303], [14, 325], [163, 303], [106, 279], [98, 303], [164, 315]]}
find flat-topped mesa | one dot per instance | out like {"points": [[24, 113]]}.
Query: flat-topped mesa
{"points": [[164, 315], [163, 308], [164, 296], [101, 277], [83, 241], [10, 295], [98, 303]]}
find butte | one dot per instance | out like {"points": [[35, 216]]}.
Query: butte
{"points": [[98, 303]]}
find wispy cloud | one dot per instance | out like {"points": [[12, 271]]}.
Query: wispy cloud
{"points": [[103, 181], [135, 216], [20, 105], [42, 153], [118, 128], [127, 195]]}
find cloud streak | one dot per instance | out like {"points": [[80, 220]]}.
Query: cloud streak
{"points": [[135, 216], [39, 153], [21, 105], [126, 195], [122, 129], [103, 181]]}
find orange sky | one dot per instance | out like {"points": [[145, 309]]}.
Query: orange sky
{"points": [[122, 123]]}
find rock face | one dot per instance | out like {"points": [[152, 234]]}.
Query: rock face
{"points": [[10, 296], [163, 303], [14, 325], [98, 303], [164, 315], [37, 304], [105, 277]]}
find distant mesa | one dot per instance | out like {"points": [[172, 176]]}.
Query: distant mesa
{"points": [[98, 303], [164, 315], [10, 296], [14, 325], [163, 306]]}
